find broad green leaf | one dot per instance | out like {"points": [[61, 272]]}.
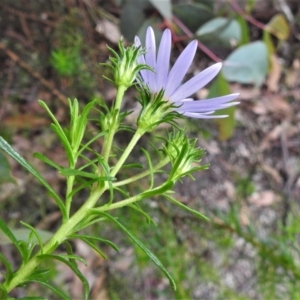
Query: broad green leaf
{"points": [[144, 248], [226, 125], [220, 29], [193, 15], [5, 170], [208, 3], [132, 18], [248, 64], [16, 156], [143, 29], [279, 27], [164, 7]]}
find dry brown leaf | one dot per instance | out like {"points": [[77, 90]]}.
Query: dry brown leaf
{"points": [[25, 121], [110, 30], [273, 103], [264, 198], [274, 75]]}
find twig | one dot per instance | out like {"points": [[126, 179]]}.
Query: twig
{"points": [[237, 8], [13, 56], [201, 46]]}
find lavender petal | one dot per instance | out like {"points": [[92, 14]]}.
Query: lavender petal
{"points": [[163, 60], [180, 68], [196, 83]]}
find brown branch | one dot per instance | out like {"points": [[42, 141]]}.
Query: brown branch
{"points": [[201, 46], [256, 23]]}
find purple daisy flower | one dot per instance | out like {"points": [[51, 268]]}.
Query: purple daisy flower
{"points": [[170, 80]]}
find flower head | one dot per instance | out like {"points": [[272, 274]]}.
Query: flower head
{"points": [[126, 66], [170, 79]]}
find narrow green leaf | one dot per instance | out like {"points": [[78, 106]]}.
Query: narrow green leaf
{"points": [[46, 160], [226, 125], [93, 238], [74, 172], [10, 235], [194, 212], [26, 250], [106, 170], [23, 234], [8, 267], [3, 292], [16, 156], [52, 288], [144, 248], [244, 30], [59, 131], [93, 246], [137, 208], [5, 170], [90, 142], [66, 260], [131, 166], [36, 234], [150, 167]]}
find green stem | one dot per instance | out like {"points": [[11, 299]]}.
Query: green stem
{"points": [[137, 135], [156, 191], [70, 183], [142, 174], [58, 238], [114, 127]]}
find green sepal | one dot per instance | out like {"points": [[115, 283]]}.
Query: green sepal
{"points": [[140, 244]]}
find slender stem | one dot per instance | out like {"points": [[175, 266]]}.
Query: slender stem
{"points": [[70, 183], [137, 135], [142, 174], [58, 238], [114, 127]]}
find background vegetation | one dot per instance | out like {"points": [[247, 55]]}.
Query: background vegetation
{"points": [[249, 249]]}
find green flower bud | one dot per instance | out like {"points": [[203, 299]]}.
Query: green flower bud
{"points": [[126, 66], [155, 110], [183, 155]]}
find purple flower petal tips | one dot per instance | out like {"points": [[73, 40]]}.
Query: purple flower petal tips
{"points": [[170, 80]]}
